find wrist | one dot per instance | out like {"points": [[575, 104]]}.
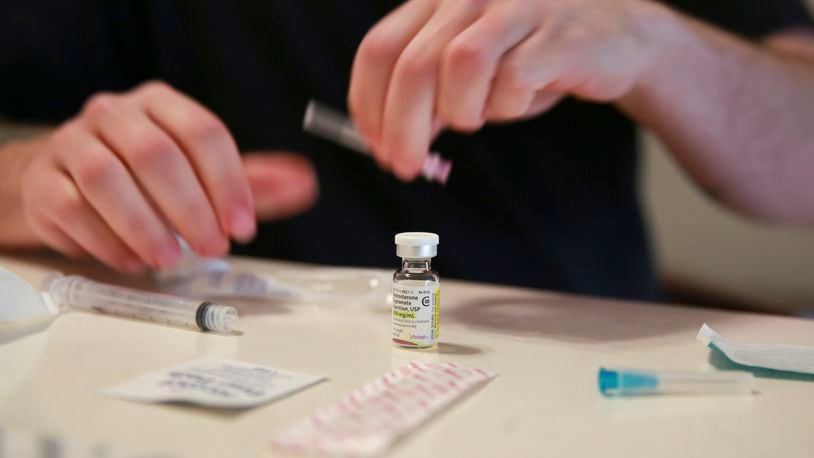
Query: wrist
{"points": [[664, 34], [16, 158], [19, 155]]}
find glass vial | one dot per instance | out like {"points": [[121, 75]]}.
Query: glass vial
{"points": [[416, 292]]}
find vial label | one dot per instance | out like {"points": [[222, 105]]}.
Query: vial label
{"points": [[416, 313]]}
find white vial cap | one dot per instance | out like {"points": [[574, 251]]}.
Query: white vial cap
{"points": [[416, 245]]}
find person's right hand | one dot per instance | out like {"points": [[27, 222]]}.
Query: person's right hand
{"points": [[131, 169], [431, 64]]}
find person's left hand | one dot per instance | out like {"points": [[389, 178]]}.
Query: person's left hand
{"points": [[461, 63]]}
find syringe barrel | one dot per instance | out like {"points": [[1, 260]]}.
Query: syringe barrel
{"points": [[76, 292], [337, 127], [333, 125], [720, 382]]}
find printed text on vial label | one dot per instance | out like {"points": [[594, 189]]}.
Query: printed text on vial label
{"points": [[415, 314]]}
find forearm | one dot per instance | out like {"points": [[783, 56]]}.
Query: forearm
{"points": [[739, 118], [14, 230]]}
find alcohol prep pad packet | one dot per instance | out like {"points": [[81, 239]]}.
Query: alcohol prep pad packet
{"points": [[214, 382], [790, 358], [370, 419]]}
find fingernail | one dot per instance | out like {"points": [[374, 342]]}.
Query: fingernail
{"points": [[404, 173], [217, 247], [437, 125], [369, 139], [242, 225], [134, 266], [213, 246], [372, 143], [168, 256]]}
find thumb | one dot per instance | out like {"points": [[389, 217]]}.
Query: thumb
{"points": [[283, 184]]}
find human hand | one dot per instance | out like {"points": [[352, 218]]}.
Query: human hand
{"points": [[462, 63], [118, 180]]}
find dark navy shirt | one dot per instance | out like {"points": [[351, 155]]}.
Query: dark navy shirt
{"points": [[551, 202]]}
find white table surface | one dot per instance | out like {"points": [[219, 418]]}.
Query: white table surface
{"points": [[545, 347]]}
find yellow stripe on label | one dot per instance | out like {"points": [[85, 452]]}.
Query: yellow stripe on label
{"points": [[437, 313]]}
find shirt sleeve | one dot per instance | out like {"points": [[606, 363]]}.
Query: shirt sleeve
{"points": [[753, 19], [54, 55]]}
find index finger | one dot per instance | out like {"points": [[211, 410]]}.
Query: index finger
{"points": [[211, 151], [409, 110], [373, 64]]}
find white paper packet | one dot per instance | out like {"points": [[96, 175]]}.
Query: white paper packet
{"points": [[214, 382], [791, 358], [373, 417]]}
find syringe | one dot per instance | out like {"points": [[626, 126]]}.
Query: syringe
{"points": [[634, 382], [76, 292], [335, 126]]}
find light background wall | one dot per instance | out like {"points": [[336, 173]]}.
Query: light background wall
{"points": [[700, 241]]}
